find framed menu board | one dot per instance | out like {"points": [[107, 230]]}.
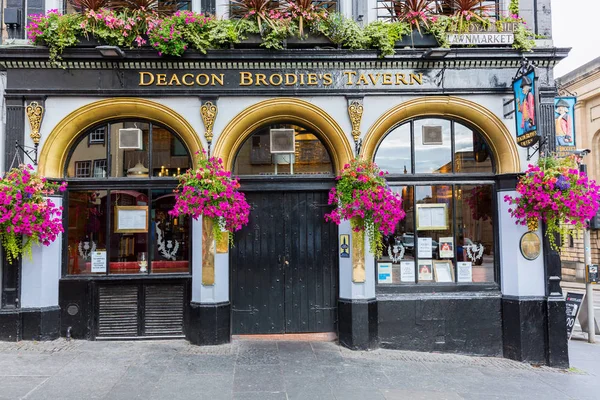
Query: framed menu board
{"points": [[131, 219], [432, 217]]}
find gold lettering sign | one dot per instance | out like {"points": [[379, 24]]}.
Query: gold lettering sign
{"points": [[275, 79]]}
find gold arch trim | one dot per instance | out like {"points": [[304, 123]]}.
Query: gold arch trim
{"points": [[276, 111], [499, 138], [54, 153]]}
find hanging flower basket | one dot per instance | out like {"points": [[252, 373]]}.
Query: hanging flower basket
{"points": [[363, 197], [556, 192], [26, 216], [210, 192]]}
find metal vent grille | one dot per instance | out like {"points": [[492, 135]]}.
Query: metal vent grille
{"points": [[163, 311], [118, 311]]}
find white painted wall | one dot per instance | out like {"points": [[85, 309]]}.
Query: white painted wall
{"points": [[519, 276], [41, 272], [207, 294]]}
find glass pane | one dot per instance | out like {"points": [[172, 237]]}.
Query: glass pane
{"points": [[432, 146], [475, 232], [309, 155], [88, 159], [399, 248], [169, 154], [170, 236], [86, 232], [435, 236], [394, 153], [129, 149], [129, 232], [472, 154]]}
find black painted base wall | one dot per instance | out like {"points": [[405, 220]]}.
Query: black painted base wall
{"points": [[209, 324], [357, 322], [535, 330], [30, 324], [10, 325], [462, 323]]}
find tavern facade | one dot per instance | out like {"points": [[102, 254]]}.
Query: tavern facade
{"points": [[442, 125]]}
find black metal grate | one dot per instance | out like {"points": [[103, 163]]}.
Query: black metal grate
{"points": [[163, 310], [117, 311]]}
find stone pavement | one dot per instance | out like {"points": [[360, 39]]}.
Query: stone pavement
{"points": [[174, 370]]}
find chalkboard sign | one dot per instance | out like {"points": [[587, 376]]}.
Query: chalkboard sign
{"points": [[573, 303]]}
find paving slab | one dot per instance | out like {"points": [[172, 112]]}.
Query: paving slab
{"points": [[264, 370]]}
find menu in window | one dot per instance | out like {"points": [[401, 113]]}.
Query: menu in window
{"points": [[431, 217], [424, 249], [407, 271], [99, 261], [464, 271]]}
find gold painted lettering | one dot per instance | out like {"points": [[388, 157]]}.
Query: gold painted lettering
{"points": [[327, 79], [362, 78], [174, 80], [349, 75], [217, 78], [275, 82], [143, 81], [246, 79], [186, 82], [292, 82], [387, 79], [416, 78], [199, 78], [312, 79], [261, 79], [401, 79], [161, 79], [374, 79], [301, 79]]}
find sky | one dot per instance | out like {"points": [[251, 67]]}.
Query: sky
{"points": [[575, 24]]}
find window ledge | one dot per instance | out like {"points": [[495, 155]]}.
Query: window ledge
{"points": [[438, 290], [124, 277]]}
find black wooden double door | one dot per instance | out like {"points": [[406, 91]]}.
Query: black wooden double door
{"points": [[284, 266]]}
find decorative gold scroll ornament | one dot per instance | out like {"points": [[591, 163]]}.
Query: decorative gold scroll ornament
{"points": [[35, 112], [355, 110], [208, 111]]}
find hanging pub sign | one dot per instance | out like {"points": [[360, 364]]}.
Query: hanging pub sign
{"points": [[526, 109], [564, 126]]}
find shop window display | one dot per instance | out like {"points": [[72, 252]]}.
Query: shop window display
{"points": [[119, 224], [448, 235]]}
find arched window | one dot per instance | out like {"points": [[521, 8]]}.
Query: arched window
{"points": [[121, 181], [445, 173], [283, 149]]}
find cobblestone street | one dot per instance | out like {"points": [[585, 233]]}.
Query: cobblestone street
{"points": [[174, 370]]}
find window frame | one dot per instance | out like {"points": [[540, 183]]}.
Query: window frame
{"points": [[89, 168], [109, 184], [452, 179]]}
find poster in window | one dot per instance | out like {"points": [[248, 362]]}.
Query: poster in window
{"points": [[425, 270], [564, 127], [98, 261], [407, 271], [424, 247], [384, 272], [431, 217], [446, 247], [131, 219], [444, 272], [464, 271]]}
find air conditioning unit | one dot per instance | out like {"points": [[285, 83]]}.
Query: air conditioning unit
{"points": [[283, 141], [130, 139]]}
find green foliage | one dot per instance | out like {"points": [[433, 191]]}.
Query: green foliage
{"points": [[224, 32], [55, 31], [274, 33], [513, 7], [524, 39], [342, 31], [384, 35]]}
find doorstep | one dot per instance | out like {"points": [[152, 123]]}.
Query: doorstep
{"points": [[295, 337]]}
